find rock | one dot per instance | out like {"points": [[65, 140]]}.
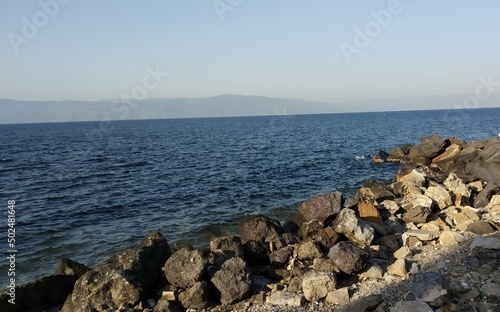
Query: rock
{"points": [[352, 227], [421, 235], [491, 290], [396, 155], [166, 306], [390, 243], [233, 281], [411, 306], [426, 151], [122, 279], [39, 295], [451, 151], [293, 222], [380, 157], [368, 212], [494, 203], [69, 267], [405, 189], [339, 296], [309, 250], [280, 257], [374, 272], [450, 238], [485, 243], [430, 287], [195, 297], [411, 176], [417, 200], [457, 187], [464, 218], [475, 186], [403, 253], [483, 198], [348, 257], [317, 284], [257, 253], [228, 246], [326, 265], [369, 303], [185, 268], [391, 206], [398, 268], [260, 229], [379, 190], [481, 227], [286, 298], [439, 195], [416, 214], [326, 237], [310, 228], [471, 295], [322, 207]]}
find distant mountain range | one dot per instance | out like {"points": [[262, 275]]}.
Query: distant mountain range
{"points": [[12, 111]]}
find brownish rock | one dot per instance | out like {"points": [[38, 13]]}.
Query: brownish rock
{"points": [[322, 207]]}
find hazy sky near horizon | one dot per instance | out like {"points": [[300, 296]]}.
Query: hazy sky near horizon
{"points": [[96, 50]]}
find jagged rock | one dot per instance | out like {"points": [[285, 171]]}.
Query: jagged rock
{"points": [[293, 222], [481, 227], [421, 235], [405, 189], [228, 246], [368, 212], [430, 287], [458, 188], [389, 242], [322, 207], [411, 306], [391, 206], [280, 257], [195, 297], [463, 218], [69, 267], [483, 198], [476, 186], [166, 306], [485, 243], [491, 290], [380, 157], [403, 253], [286, 298], [326, 237], [379, 190], [233, 281], [352, 227], [260, 229], [348, 257], [317, 284], [339, 296], [440, 195], [416, 214], [326, 265], [451, 151], [398, 268], [185, 268], [122, 279], [398, 154], [310, 228], [364, 194], [411, 176], [374, 272], [430, 147], [417, 200], [451, 238], [308, 250], [494, 203]]}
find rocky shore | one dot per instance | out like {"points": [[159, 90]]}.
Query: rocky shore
{"points": [[429, 241]]}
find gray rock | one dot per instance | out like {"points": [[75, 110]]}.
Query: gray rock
{"points": [[422, 235], [309, 250], [380, 191], [390, 243], [317, 284], [195, 297], [411, 306], [233, 281], [260, 229], [122, 279], [485, 243], [348, 257], [339, 296], [322, 207], [380, 157], [451, 238], [185, 268], [286, 298], [483, 198], [310, 228], [457, 187], [352, 227], [229, 246], [430, 147], [166, 306], [69, 267], [430, 287], [416, 214], [481, 227], [280, 257], [491, 290]]}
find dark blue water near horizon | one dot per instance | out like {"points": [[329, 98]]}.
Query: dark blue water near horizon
{"points": [[85, 190]]}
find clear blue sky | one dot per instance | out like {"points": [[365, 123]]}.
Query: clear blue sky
{"points": [[95, 50]]}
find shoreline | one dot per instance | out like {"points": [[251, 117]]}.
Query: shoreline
{"points": [[445, 195]]}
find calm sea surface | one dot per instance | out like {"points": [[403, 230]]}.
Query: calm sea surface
{"points": [[86, 190]]}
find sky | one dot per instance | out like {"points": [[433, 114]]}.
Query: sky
{"points": [[321, 50]]}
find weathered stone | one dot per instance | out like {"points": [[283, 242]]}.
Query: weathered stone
{"points": [[398, 268], [417, 200], [122, 279], [389, 242], [430, 287], [451, 151], [348, 257], [229, 246], [352, 227], [430, 147], [481, 227], [405, 189], [339, 296], [363, 194], [391, 206], [280, 257], [286, 298], [397, 155], [379, 190], [451, 238], [259, 229], [411, 306], [494, 203], [412, 176], [457, 187], [439, 195], [464, 217], [195, 297], [310, 228], [309, 250], [166, 306], [380, 157], [421, 235], [185, 268], [317, 284], [403, 253], [491, 290], [69, 267], [293, 222], [483, 198], [485, 243], [233, 281], [374, 272], [326, 237], [327, 265], [475, 186], [368, 303], [416, 214], [322, 207], [470, 295], [368, 212]]}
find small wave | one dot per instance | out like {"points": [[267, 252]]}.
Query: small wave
{"points": [[359, 157]]}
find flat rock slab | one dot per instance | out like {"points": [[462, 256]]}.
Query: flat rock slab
{"points": [[421, 235], [286, 298]]}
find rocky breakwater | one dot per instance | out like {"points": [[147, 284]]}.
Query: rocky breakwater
{"points": [[332, 254]]}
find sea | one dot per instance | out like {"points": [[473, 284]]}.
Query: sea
{"points": [[86, 190]]}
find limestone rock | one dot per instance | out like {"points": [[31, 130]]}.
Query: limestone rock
{"points": [[451, 151], [348, 257], [185, 268], [286, 298], [280, 257], [379, 190], [374, 272], [122, 279], [195, 297], [398, 268], [352, 227], [322, 207], [457, 187], [411, 306], [491, 290], [339, 296], [483, 198], [260, 229], [391, 206], [481, 227], [413, 176], [403, 253], [309, 250], [430, 287], [440, 195], [310, 228], [368, 212], [451, 238], [398, 154], [421, 235], [317, 284], [166, 306], [430, 147], [233, 281]]}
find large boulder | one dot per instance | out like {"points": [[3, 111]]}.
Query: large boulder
{"points": [[185, 268], [322, 207], [353, 228], [430, 147], [458, 188], [233, 281], [317, 284], [439, 195], [122, 279], [451, 151], [348, 257], [196, 297], [260, 229]]}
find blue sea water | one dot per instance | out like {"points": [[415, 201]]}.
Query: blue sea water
{"points": [[86, 190]]}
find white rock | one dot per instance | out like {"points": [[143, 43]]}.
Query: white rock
{"points": [[286, 298]]}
